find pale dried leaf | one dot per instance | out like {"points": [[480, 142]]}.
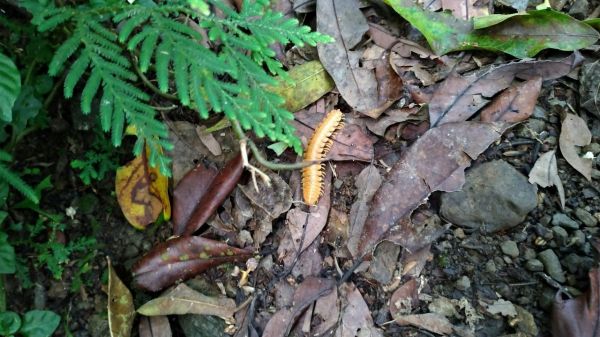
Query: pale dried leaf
{"points": [[367, 183], [574, 134], [545, 174], [209, 141], [120, 305], [503, 307], [435, 323]]}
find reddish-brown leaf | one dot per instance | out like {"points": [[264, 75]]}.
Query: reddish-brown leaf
{"points": [[579, 316], [435, 162], [182, 258], [220, 188], [459, 97], [404, 299], [189, 191], [309, 291], [514, 104]]}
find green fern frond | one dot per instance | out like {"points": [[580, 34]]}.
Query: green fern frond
{"points": [[17, 183], [10, 87]]}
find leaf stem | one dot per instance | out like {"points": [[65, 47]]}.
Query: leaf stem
{"points": [[149, 84]]}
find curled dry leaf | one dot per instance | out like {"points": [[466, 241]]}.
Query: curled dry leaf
{"points": [[189, 191], [574, 133], [545, 174], [579, 316], [459, 97], [514, 104], [183, 300], [307, 292], [182, 258], [435, 162], [220, 188], [155, 326], [120, 305], [139, 204]]}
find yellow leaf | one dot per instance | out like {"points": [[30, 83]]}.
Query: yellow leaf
{"points": [[120, 305], [139, 205], [159, 187]]}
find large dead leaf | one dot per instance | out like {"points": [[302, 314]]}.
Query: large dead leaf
{"points": [[343, 20], [182, 258], [139, 204], [459, 97], [120, 305], [349, 143], [310, 82], [545, 174], [435, 162], [356, 317], [183, 300], [220, 188], [189, 191], [514, 104], [309, 291], [155, 326], [574, 133], [579, 316], [367, 183]]}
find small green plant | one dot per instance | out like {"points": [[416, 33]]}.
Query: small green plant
{"points": [[34, 323], [99, 160], [164, 41]]}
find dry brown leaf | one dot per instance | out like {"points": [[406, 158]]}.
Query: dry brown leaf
{"points": [[458, 97], [433, 322], [545, 174], [574, 133], [183, 300], [120, 305], [404, 299], [208, 139], [466, 9], [435, 162], [514, 104], [578, 316], [356, 317], [367, 183], [155, 326], [393, 116], [328, 310]]}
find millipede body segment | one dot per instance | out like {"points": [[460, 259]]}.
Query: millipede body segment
{"points": [[317, 149]]}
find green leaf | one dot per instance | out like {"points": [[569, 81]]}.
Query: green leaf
{"points": [[7, 255], [10, 322], [10, 86], [278, 147], [39, 323], [593, 22], [518, 35]]}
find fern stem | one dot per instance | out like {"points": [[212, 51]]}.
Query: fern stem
{"points": [[149, 84], [237, 129]]}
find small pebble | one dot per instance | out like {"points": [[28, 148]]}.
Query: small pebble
{"points": [[561, 219], [552, 140], [338, 183], [578, 238], [552, 265], [510, 248], [593, 148], [463, 283], [560, 235], [534, 265], [520, 236], [545, 220], [490, 267], [586, 217], [459, 233]]}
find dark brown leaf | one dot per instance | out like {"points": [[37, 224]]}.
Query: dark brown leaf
{"points": [[309, 291], [579, 316], [189, 191], [349, 143], [435, 162], [155, 326], [356, 317], [367, 183], [514, 104], [459, 97], [182, 258], [405, 299], [222, 185]]}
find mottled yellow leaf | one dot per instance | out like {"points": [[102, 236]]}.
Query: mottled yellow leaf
{"points": [[159, 187], [120, 305]]}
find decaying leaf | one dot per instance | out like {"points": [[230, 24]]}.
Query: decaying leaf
{"points": [[545, 174], [181, 258], [220, 188], [518, 35], [310, 82], [139, 204], [328, 310], [466, 9], [183, 300], [155, 326], [503, 307], [120, 305], [307, 292], [579, 316], [514, 104], [394, 116], [189, 191], [574, 133], [404, 299], [209, 140], [429, 321], [590, 87], [356, 317], [159, 186], [459, 97], [367, 183], [435, 162], [343, 20]]}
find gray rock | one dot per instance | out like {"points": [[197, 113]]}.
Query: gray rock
{"points": [[561, 219], [384, 262], [560, 235], [552, 265], [490, 267], [532, 128], [539, 112], [586, 217], [545, 220], [579, 9], [534, 265], [463, 283], [529, 254], [525, 322], [593, 148], [578, 238], [495, 197], [510, 248]]}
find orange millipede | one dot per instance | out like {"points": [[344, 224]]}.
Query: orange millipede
{"points": [[318, 147]]}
